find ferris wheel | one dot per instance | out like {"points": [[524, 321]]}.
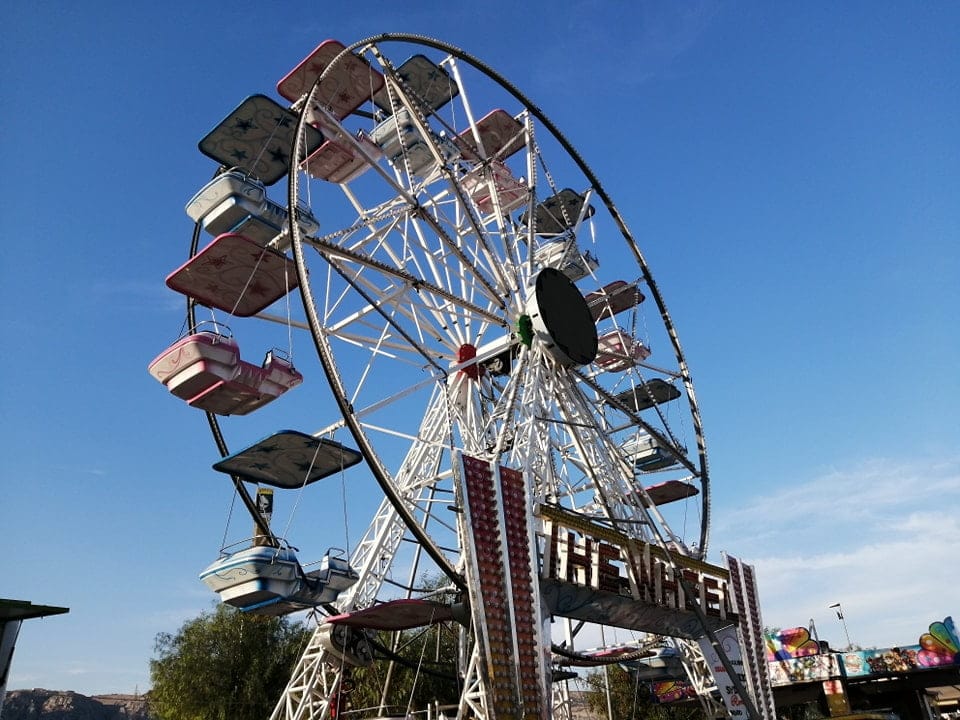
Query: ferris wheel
{"points": [[501, 356]]}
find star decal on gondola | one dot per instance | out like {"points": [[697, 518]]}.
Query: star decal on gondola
{"points": [[277, 155], [215, 261], [257, 288], [243, 124]]}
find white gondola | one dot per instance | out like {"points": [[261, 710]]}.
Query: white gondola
{"points": [[647, 455], [234, 202], [253, 575], [406, 148], [565, 255], [618, 350], [269, 580]]}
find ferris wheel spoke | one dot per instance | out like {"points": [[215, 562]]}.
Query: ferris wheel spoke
{"points": [[349, 265]]}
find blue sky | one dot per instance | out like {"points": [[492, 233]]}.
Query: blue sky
{"points": [[792, 173]]}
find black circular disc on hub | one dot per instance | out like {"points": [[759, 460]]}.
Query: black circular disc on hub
{"points": [[564, 317]]}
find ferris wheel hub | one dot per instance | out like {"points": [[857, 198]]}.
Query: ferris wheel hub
{"points": [[561, 319]]}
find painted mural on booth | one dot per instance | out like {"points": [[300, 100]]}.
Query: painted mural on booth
{"points": [[938, 647]]}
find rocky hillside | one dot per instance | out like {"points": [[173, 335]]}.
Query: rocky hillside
{"points": [[39, 704]]}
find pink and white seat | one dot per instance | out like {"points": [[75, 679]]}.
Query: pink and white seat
{"points": [[206, 371]]}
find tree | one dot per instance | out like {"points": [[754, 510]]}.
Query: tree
{"points": [[414, 668], [628, 698], [223, 665]]}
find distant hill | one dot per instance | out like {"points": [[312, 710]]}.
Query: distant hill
{"points": [[40, 704]]}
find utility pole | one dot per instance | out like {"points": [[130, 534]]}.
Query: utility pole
{"points": [[840, 617]]}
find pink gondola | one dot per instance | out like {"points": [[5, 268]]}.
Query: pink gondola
{"points": [[343, 89], [500, 135], [511, 192], [613, 298], [618, 350], [206, 371]]}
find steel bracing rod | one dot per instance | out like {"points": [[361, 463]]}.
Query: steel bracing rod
{"points": [[510, 247], [618, 219], [695, 665], [317, 673], [334, 378], [534, 443], [417, 473], [605, 467], [332, 253], [402, 302], [504, 409], [473, 699], [311, 686], [411, 578], [373, 558], [420, 122], [416, 210]]}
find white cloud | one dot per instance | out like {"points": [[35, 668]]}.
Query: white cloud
{"points": [[880, 538]]}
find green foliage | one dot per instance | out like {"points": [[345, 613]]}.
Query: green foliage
{"points": [[630, 699], [423, 670], [223, 664], [804, 711], [414, 668]]}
